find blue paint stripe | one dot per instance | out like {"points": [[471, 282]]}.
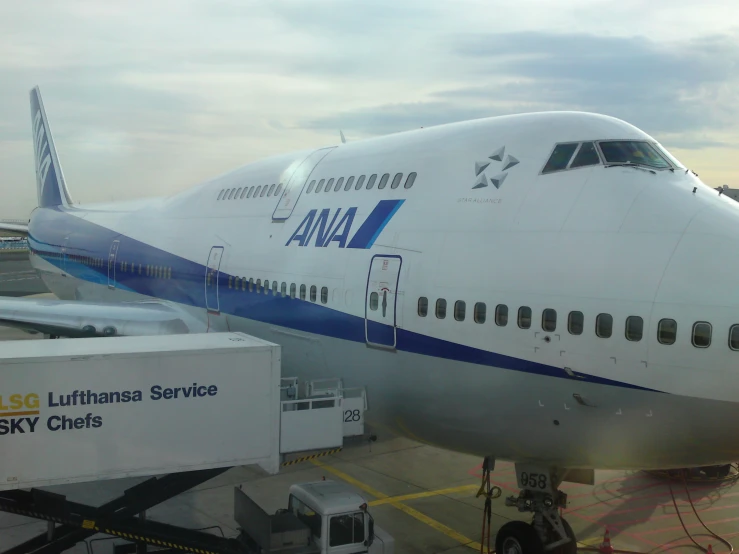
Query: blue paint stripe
{"points": [[374, 224], [49, 227]]}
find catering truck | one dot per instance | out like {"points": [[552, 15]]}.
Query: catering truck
{"points": [[183, 408]]}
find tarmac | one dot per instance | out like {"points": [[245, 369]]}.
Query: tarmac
{"points": [[423, 496]]}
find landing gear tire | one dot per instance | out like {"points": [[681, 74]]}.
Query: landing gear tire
{"points": [[517, 537]]}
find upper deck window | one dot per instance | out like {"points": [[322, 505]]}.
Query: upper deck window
{"points": [[560, 158], [632, 152]]}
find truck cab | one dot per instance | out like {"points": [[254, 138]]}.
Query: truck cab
{"points": [[322, 517], [338, 519]]}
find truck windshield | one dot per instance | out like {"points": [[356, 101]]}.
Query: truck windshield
{"points": [[635, 152], [306, 514], [346, 529]]}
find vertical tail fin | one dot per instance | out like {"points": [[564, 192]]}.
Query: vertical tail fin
{"points": [[51, 188]]}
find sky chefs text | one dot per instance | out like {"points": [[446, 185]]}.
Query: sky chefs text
{"points": [[20, 413]]}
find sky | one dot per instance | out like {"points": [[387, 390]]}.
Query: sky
{"points": [[147, 98]]}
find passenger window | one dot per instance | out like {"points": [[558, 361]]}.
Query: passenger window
{"points": [[734, 337], [460, 307], [371, 182], [549, 320], [231, 194], [396, 180], [501, 315], [667, 331], [259, 286], [251, 284], [264, 191], [238, 192], [220, 194], [329, 185], [283, 289], [480, 312], [560, 157], [702, 334], [604, 325], [423, 306], [313, 291], [524, 317], [320, 185], [373, 301], [274, 288], [359, 184], [441, 308], [410, 180], [587, 155], [349, 182], [575, 323], [383, 181], [324, 295], [243, 193], [302, 292], [256, 192], [634, 328], [279, 189], [292, 290], [251, 190], [340, 182], [243, 281], [266, 286], [271, 190], [310, 187]]}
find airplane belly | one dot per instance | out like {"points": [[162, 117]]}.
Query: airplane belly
{"points": [[512, 415]]}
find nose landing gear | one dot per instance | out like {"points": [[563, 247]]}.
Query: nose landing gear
{"points": [[548, 532]]}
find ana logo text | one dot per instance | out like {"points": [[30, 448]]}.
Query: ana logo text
{"points": [[328, 227]]}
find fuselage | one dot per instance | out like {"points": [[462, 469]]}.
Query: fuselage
{"points": [[487, 306]]}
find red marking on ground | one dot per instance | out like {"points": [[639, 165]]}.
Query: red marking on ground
{"points": [[689, 526], [615, 527]]}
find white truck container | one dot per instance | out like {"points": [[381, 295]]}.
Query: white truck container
{"points": [[91, 409]]}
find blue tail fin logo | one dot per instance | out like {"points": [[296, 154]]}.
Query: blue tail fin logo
{"points": [[51, 188]]}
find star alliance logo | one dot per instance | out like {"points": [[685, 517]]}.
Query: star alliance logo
{"points": [[499, 155]]}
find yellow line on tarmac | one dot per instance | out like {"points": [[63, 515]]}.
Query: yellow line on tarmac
{"points": [[438, 492], [394, 501]]}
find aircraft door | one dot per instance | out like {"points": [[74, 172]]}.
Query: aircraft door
{"points": [[112, 255], [212, 274], [64, 256], [295, 183], [381, 301]]}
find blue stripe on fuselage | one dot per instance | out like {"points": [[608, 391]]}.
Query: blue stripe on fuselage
{"points": [[374, 224], [49, 227]]}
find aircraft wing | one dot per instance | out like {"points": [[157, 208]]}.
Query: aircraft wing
{"points": [[90, 319], [15, 227]]}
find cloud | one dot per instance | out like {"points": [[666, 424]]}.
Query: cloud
{"points": [[670, 87], [152, 97]]}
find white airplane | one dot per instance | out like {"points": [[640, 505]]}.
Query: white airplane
{"points": [[541, 288]]}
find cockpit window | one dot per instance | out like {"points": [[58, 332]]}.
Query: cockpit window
{"points": [[560, 157], [587, 155], [632, 152]]}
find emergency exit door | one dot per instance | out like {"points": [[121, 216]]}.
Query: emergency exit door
{"points": [[212, 273], [381, 309], [112, 256], [295, 182]]}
